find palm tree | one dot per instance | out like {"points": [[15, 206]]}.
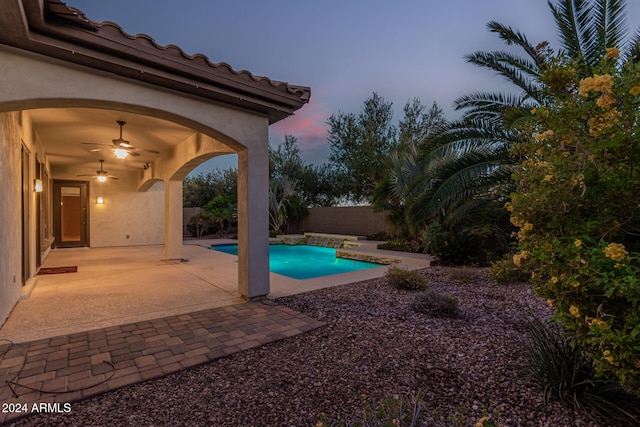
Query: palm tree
{"points": [[281, 191], [469, 163]]}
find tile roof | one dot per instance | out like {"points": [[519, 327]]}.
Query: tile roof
{"points": [[71, 36]]}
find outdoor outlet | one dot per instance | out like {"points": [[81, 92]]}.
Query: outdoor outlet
{"points": [[127, 236]]}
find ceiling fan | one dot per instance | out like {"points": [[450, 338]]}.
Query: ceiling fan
{"points": [[101, 175], [121, 147]]}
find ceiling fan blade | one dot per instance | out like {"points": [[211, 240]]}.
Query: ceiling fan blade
{"points": [[134, 154], [88, 174], [121, 143], [98, 149]]}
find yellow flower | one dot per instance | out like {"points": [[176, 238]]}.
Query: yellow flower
{"points": [[533, 111], [578, 243], [597, 322], [517, 259], [540, 136], [527, 226], [575, 311], [599, 83], [550, 302], [615, 251], [606, 100], [548, 178], [508, 206], [607, 356], [482, 420], [575, 284], [635, 91], [554, 279], [612, 52]]}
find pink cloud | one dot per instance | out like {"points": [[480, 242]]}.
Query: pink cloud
{"points": [[309, 126]]}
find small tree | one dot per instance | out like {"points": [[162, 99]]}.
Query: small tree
{"points": [[360, 144], [281, 193], [221, 209]]}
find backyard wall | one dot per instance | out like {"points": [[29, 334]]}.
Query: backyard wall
{"points": [[358, 220]]}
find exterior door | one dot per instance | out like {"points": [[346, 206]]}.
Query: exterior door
{"points": [[71, 213]]}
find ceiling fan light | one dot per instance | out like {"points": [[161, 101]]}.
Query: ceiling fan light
{"points": [[121, 153], [102, 178]]}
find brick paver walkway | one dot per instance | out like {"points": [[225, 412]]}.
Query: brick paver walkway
{"points": [[71, 367]]}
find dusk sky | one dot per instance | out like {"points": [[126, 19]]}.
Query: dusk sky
{"points": [[343, 49]]}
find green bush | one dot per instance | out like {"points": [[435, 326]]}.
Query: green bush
{"points": [[463, 275], [458, 249], [406, 410], [505, 272], [275, 233], [566, 374], [435, 304], [400, 245], [380, 236], [409, 280]]}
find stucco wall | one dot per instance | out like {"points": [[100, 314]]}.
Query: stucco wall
{"points": [[358, 220], [10, 213], [127, 217]]}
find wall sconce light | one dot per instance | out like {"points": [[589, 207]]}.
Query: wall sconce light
{"points": [[100, 200], [37, 185]]}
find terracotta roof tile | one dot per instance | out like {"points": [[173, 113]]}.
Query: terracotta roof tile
{"points": [[52, 28], [78, 17]]}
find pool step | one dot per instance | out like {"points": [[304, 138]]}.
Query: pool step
{"points": [[379, 256]]}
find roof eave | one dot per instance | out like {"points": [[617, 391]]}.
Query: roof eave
{"points": [[55, 30]]}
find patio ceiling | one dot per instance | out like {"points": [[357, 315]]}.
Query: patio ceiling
{"points": [[64, 130]]}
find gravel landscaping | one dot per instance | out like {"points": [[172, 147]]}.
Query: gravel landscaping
{"points": [[374, 347]]}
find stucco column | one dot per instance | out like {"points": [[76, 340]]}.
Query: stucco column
{"points": [[172, 220], [253, 221]]}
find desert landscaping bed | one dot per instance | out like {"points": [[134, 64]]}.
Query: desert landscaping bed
{"points": [[374, 347]]}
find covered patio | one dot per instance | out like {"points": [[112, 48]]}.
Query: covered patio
{"points": [[74, 92]]}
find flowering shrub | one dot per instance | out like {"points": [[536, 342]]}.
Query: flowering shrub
{"points": [[577, 207]]}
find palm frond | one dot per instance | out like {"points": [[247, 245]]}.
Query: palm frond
{"points": [[632, 52], [491, 107], [572, 19], [609, 28], [512, 37], [516, 70]]}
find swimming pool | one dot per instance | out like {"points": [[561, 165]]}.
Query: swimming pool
{"points": [[304, 261]]}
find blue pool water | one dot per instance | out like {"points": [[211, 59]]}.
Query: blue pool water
{"points": [[303, 261]]}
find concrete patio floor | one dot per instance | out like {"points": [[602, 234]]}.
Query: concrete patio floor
{"points": [[116, 286]]}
